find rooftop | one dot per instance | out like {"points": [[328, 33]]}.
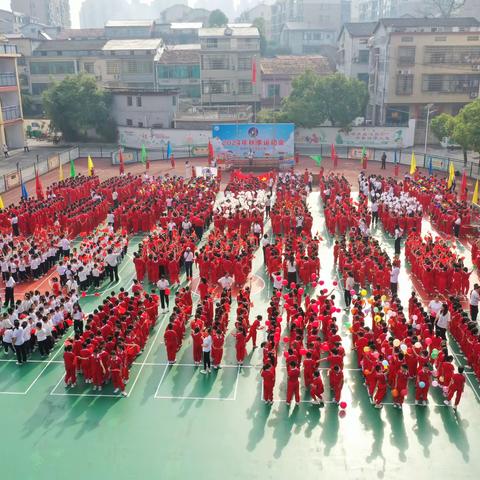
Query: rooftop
{"points": [[186, 25], [129, 23], [81, 33], [133, 44], [430, 22], [229, 32], [70, 45], [292, 65], [180, 54], [305, 26], [360, 29]]}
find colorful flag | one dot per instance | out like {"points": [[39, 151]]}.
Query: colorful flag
{"points": [[143, 155], [364, 158], [60, 172], [2, 206], [169, 150], [254, 71], [24, 192], [334, 156], [122, 165], [463, 187], [72, 169], [475, 194], [430, 166], [211, 154], [317, 158], [451, 174], [90, 166], [395, 161], [38, 187], [413, 164]]}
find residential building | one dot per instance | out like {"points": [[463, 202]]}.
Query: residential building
{"points": [[278, 73], [178, 67], [303, 38], [227, 56], [144, 108], [130, 63], [11, 116], [49, 12], [54, 60], [11, 22], [263, 11], [129, 29], [353, 50], [415, 62], [177, 32]]}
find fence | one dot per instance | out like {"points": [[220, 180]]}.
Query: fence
{"points": [[403, 157], [159, 154], [16, 177]]}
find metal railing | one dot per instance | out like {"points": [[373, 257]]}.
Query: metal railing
{"points": [[8, 80], [8, 49], [41, 165]]}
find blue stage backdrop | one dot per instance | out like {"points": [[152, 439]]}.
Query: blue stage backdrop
{"points": [[254, 139]]}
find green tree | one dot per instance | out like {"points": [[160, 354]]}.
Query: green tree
{"points": [[260, 24], [466, 131], [76, 105], [217, 19], [442, 125], [315, 99]]}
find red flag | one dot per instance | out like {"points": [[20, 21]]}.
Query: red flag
{"points": [[463, 187], [254, 71], [147, 165], [397, 169], [334, 156], [38, 187], [122, 165], [172, 160], [211, 153], [194, 173]]}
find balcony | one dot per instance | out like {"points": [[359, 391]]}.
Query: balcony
{"points": [[8, 50], [8, 80], [11, 113]]}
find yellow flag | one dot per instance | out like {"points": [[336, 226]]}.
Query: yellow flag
{"points": [[90, 165], [60, 172], [474, 198], [2, 206], [451, 174], [413, 164]]}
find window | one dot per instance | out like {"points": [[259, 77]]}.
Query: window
{"points": [[139, 101], [245, 87], [407, 39], [178, 71], [89, 68], [273, 90], [404, 84], [244, 63], [457, 55], [451, 83], [174, 100], [140, 124], [216, 62], [113, 68], [138, 67], [212, 42], [363, 77], [213, 87], [406, 56], [443, 38], [52, 68], [129, 122], [129, 101], [247, 44], [472, 38], [363, 56]]}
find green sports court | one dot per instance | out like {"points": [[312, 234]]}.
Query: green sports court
{"points": [[178, 424]]}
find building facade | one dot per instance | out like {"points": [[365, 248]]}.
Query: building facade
{"points": [[353, 50], [11, 115], [418, 62], [144, 109], [49, 12], [227, 55], [178, 67]]}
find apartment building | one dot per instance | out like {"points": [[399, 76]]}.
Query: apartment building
{"points": [[11, 116], [178, 67], [227, 55], [354, 51], [49, 12], [415, 62], [130, 63]]}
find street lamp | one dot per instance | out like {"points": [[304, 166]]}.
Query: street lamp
{"points": [[430, 110]]}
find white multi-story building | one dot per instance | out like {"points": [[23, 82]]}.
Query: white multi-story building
{"points": [[49, 12]]}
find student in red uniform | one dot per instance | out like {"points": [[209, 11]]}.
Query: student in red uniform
{"points": [[293, 383], [456, 388], [240, 342], [70, 361], [381, 388], [268, 375], [335, 376], [317, 389], [422, 386], [171, 343], [252, 331], [197, 342], [116, 371], [140, 266]]}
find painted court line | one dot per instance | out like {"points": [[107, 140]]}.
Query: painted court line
{"points": [[13, 360]]}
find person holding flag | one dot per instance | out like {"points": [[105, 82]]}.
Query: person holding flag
{"points": [[413, 164], [60, 172], [364, 158], [451, 177], [72, 169], [144, 158], [90, 166], [120, 159], [397, 166], [475, 194], [38, 186]]}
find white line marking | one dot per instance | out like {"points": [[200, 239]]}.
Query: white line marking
{"points": [[236, 384], [195, 398], [161, 381]]}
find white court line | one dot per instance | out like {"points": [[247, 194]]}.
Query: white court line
{"points": [[12, 360], [147, 355], [236, 383], [219, 399], [161, 381]]}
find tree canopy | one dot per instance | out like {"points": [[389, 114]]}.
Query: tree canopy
{"points": [[217, 19], [76, 105], [315, 99]]}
